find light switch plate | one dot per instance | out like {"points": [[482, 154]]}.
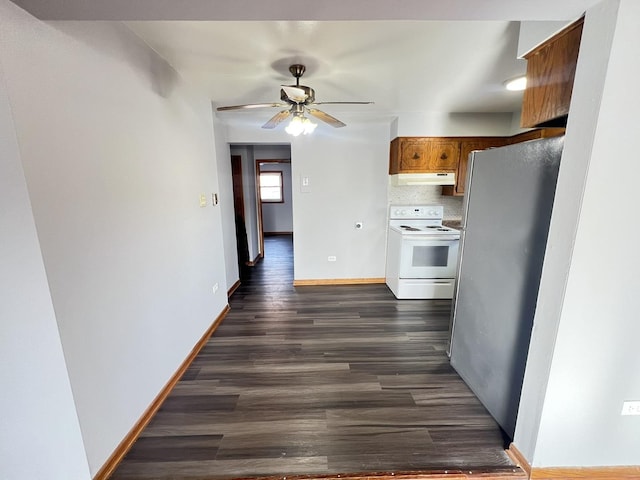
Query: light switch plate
{"points": [[305, 184]]}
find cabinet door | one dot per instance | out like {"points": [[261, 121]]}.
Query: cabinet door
{"points": [[550, 71], [443, 155], [466, 147], [413, 155]]}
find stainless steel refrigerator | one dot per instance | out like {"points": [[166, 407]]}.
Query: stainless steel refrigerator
{"points": [[506, 213]]}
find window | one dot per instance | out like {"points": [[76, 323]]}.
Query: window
{"points": [[271, 187]]}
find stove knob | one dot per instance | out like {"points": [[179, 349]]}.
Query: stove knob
{"points": [[403, 212]]}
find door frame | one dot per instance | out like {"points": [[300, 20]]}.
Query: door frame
{"points": [[260, 224]]}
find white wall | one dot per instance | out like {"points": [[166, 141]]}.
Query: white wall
{"points": [[278, 217], [534, 33], [39, 430], [445, 124], [348, 174], [225, 196], [115, 152], [348, 171], [584, 357]]}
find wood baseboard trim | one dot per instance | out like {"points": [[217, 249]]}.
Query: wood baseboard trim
{"points": [[572, 473], [519, 459], [338, 281], [233, 288], [127, 442], [586, 473], [252, 263]]}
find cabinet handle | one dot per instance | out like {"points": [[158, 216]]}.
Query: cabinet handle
{"points": [[415, 156], [444, 156]]}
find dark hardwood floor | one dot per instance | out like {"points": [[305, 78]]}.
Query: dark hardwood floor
{"points": [[318, 380]]}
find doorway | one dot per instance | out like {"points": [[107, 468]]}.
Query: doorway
{"points": [[275, 213], [242, 243], [254, 217]]}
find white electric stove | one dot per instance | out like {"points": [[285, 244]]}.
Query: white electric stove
{"points": [[421, 253]]}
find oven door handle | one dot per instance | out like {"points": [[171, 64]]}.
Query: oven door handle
{"points": [[439, 238]]}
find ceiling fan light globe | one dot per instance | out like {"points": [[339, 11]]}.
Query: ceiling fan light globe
{"points": [[308, 125], [295, 127]]}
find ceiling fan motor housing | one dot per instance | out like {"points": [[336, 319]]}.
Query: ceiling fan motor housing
{"points": [[309, 92]]}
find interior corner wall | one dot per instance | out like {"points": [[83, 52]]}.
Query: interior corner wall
{"points": [[39, 430], [225, 196], [116, 152], [583, 357]]}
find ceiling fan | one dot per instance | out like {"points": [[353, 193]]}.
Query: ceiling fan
{"points": [[299, 99]]}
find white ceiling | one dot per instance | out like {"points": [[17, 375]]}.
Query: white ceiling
{"points": [[351, 51], [402, 66]]}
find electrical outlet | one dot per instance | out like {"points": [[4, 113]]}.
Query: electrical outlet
{"points": [[215, 288], [331, 258], [203, 200], [631, 408]]}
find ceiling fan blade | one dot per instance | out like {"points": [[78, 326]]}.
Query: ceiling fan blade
{"points": [[325, 117], [341, 103], [276, 119], [294, 94], [251, 105]]}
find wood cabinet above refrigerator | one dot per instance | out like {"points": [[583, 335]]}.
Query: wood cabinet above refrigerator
{"points": [[551, 68]]}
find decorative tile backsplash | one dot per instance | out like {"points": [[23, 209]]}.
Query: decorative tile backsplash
{"points": [[425, 195]]}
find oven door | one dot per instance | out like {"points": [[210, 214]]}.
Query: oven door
{"points": [[424, 256]]}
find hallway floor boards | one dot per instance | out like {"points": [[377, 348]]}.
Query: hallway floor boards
{"points": [[318, 380]]}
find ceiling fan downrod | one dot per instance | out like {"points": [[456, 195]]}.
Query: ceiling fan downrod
{"points": [[297, 70]]}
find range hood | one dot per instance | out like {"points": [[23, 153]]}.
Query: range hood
{"points": [[400, 179]]}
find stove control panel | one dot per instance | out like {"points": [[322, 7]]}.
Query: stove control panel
{"points": [[416, 211]]}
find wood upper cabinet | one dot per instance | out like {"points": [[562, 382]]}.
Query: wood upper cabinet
{"points": [[534, 135], [468, 145], [450, 154], [414, 155], [443, 154], [551, 68], [424, 155]]}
